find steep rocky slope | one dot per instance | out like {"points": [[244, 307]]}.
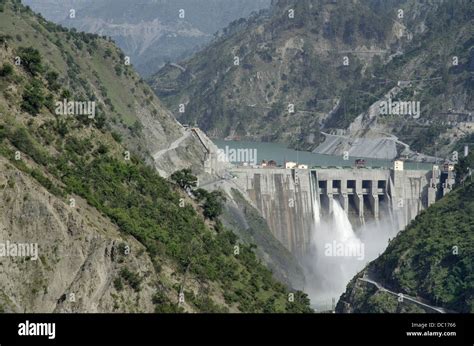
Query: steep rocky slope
{"points": [[81, 254], [334, 61], [112, 234]]}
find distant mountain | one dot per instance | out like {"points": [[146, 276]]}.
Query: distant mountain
{"points": [[303, 67], [151, 32]]}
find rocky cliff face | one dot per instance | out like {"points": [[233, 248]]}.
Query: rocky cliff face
{"points": [[80, 254], [308, 66]]}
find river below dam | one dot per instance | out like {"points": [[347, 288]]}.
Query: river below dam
{"points": [[280, 153]]}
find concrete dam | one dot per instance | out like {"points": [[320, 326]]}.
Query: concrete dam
{"points": [[289, 199]]}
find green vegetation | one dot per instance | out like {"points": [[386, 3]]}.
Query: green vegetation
{"points": [[52, 79], [22, 139], [30, 59], [212, 202], [162, 304], [132, 279], [33, 98], [464, 169], [184, 179], [426, 136], [118, 284], [6, 70]]}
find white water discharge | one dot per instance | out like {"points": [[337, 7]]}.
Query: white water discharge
{"points": [[338, 252], [315, 201]]}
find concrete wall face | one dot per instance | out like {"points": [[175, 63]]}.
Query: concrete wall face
{"points": [[285, 197], [284, 200]]}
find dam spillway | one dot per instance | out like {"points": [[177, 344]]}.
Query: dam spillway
{"points": [[288, 198]]}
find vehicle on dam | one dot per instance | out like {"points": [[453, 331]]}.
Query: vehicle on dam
{"points": [[360, 163]]}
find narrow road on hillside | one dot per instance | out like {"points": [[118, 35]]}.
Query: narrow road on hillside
{"points": [[396, 140], [227, 177], [172, 146], [383, 289], [388, 136], [183, 69], [209, 184]]}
